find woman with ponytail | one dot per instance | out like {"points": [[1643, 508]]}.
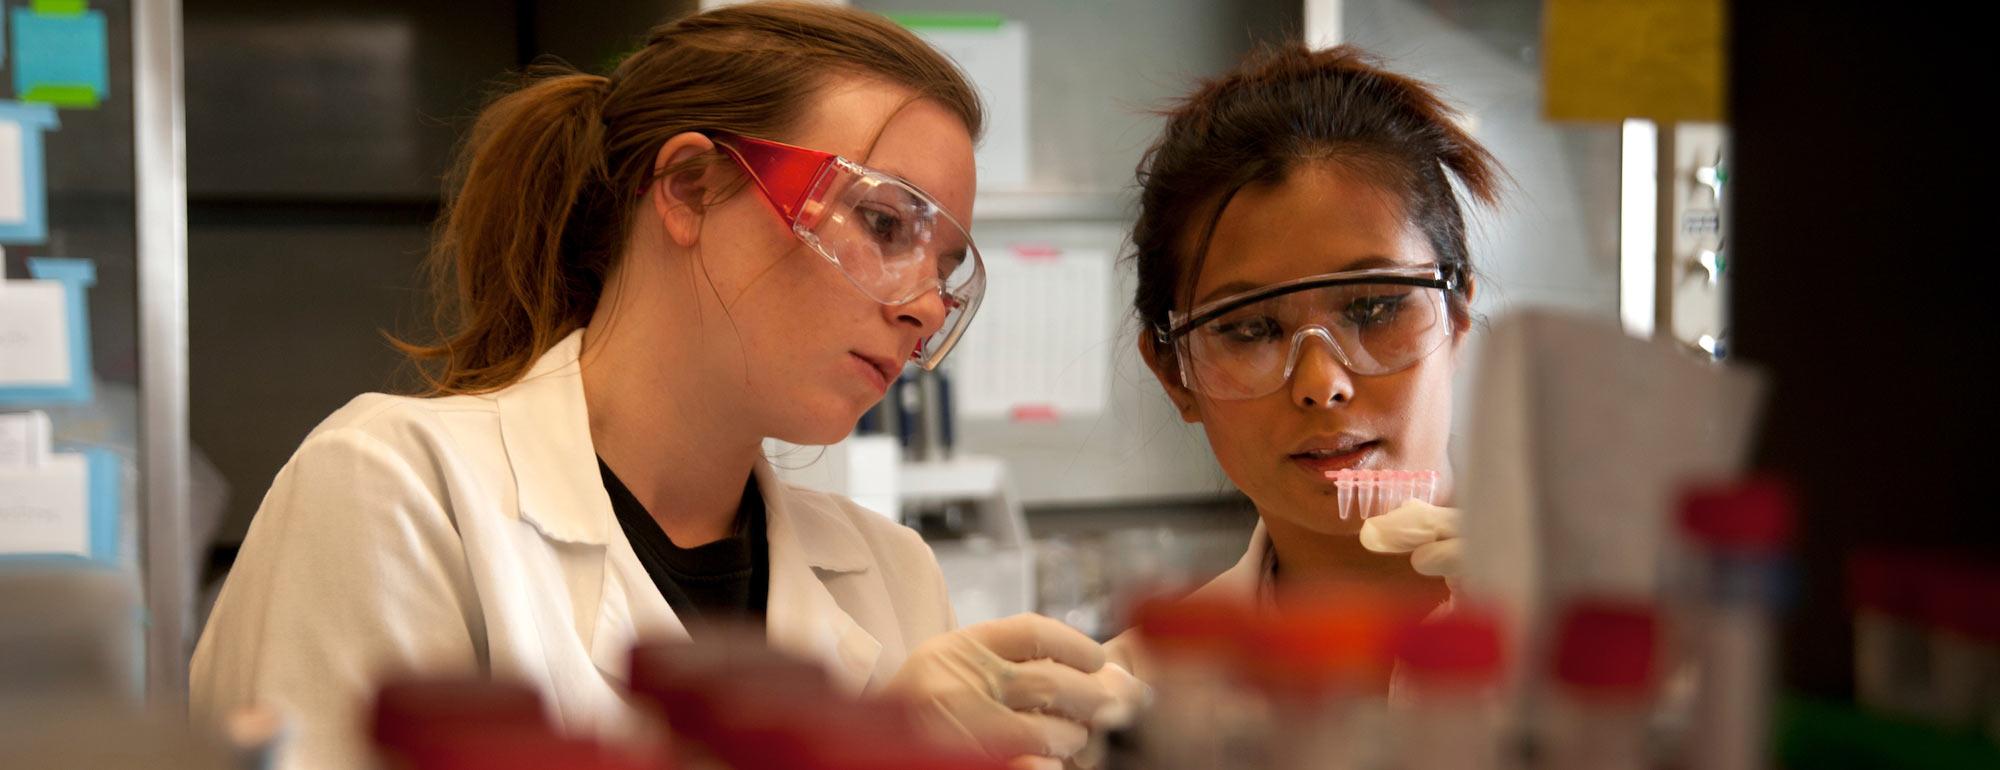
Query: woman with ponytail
{"points": [[743, 232], [1304, 288]]}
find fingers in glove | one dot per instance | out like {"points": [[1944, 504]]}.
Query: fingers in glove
{"points": [[1028, 636], [1443, 558], [1409, 526], [1091, 757], [1128, 696], [1053, 687]]}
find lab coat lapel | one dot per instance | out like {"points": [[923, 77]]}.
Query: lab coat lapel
{"points": [[545, 425], [631, 611], [802, 617]]}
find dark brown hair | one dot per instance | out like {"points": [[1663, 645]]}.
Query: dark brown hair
{"points": [[1289, 106], [538, 201]]}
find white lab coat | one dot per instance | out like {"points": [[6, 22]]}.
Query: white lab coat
{"points": [[473, 534]]}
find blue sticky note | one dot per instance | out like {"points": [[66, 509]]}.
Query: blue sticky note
{"points": [[104, 518], [24, 215], [61, 59], [106, 509], [76, 276]]}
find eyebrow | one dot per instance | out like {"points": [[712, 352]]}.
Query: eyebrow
{"points": [[1237, 287]]}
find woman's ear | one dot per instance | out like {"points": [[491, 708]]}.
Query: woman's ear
{"points": [[1168, 372], [682, 188], [1465, 324]]}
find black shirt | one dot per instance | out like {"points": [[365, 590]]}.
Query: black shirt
{"points": [[729, 579]]}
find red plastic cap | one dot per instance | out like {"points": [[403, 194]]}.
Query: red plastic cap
{"points": [[1310, 649], [1934, 589], [772, 724], [684, 680], [874, 734], [1756, 515], [1206, 624], [413, 713], [1973, 602], [1887, 581], [910, 753], [1607, 646], [1462, 646], [524, 751]]}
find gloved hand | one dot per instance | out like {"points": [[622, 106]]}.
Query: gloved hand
{"points": [[1428, 533], [1128, 696], [1131, 696], [1024, 688]]}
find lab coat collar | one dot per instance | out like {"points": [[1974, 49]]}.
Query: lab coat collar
{"points": [[546, 429], [546, 425]]}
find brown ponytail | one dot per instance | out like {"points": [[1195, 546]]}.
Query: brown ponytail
{"points": [[538, 201], [530, 157], [1285, 107]]}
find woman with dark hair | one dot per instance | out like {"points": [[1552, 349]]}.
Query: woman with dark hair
{"points": [[1304, 286]]}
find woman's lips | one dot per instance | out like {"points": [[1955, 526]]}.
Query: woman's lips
{"points": [[871, 371], [1322, 463]]}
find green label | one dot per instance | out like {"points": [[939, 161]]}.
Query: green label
{"points": [[948, 20]]}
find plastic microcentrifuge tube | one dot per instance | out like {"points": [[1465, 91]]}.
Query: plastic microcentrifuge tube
{"points": [[1739, 532], [1604, 685], [1448, 714], [1427, 486], [1366, 493], [1201, 707]]}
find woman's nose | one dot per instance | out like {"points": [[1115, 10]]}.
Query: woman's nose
{"points": [[1319, 380]]}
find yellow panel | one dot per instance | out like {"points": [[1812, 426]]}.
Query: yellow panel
{"points": [[1617, 59]]}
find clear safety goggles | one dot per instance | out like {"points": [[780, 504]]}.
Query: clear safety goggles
{"points": [[1376, 321], [892, 240]]}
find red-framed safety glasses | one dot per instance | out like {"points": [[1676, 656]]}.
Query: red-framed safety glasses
{"points": [[893, 241]]}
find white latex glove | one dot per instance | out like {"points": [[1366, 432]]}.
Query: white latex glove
{"points": [[1023, 688], [1128, 696], [1132, 695], [1428, 533]]}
